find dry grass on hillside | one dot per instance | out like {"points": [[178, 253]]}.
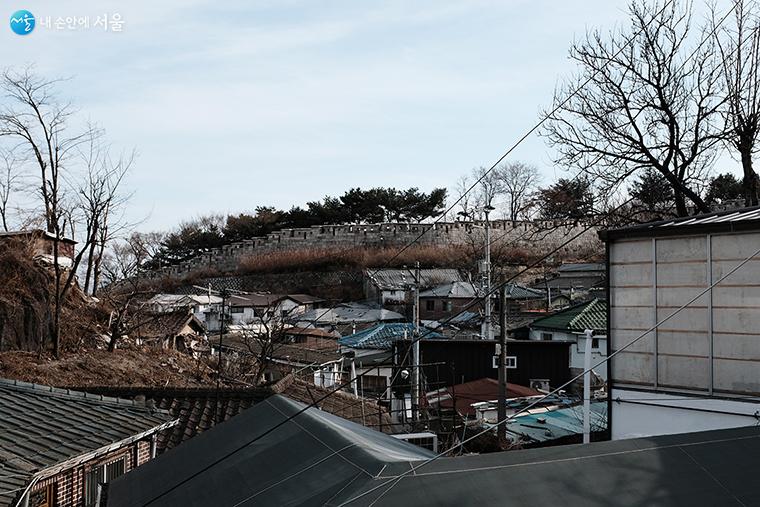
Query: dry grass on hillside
{"points": [[144, 367], [361, 257]]}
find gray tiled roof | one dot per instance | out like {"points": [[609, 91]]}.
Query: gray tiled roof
{"points": [[394, 279], [469, 290], [42, 426], [347, 313]]}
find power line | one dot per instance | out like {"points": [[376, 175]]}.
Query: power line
{"points": [[555, 391], [519, 141]]}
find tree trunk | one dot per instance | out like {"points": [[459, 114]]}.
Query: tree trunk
{"points": [[681, 209], [90, 265], [749, 182], [115, 334]]}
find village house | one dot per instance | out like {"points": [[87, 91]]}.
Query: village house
{"points": [[58, 447], [176, 330], [449, 300], [574, 276], [393, 287], [699, 368], [569, 326], [347, 318], [245, 309], [312, 338], [42, 244], [279, 358], [198, 305], [369, 354]]}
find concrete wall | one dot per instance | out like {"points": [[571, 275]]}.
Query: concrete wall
{"points": [[539, 235], [711, 346]]}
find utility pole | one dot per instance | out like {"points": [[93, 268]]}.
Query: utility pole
{"points": [[416, 345], [486, 331], [224, 294], [502, 407], [587, 388]]}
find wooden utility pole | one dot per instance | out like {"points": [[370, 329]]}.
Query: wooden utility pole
{"points": [[502, 407]]}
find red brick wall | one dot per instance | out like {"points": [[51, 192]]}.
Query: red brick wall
{"points": [[69, 485]]}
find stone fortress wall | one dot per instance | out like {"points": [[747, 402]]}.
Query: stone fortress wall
{"points": [[538, 236]]}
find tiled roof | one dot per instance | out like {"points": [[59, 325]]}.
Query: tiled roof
{"points": [[42, 426], [580, 267], [311, 331], [469, 290], [515, 291], [383, 335], [295, 353], [348, 313], [183, 299], [160, 325], [395, 279], [451, 290], [264, 300], [198, 410], [304, 299], [35, 232], [591, 315], [254, 300]]}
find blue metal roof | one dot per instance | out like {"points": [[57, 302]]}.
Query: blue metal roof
{"points": [[554, 424], [383, 335]]}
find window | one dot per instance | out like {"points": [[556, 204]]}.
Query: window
{"points": [[101, 474], [236, 309], [546, 337], [449, 306], [510, 360], [44, 497], [594, 343], [430, 305]]}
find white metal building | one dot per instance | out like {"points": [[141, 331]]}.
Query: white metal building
{"points": [[700, 369]]}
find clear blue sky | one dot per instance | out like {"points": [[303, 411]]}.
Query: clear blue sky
{"points": [[237, 104]]}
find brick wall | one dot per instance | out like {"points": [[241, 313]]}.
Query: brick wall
{"points": [[68, 486]]}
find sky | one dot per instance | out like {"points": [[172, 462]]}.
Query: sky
{"points": [[278, 102]]}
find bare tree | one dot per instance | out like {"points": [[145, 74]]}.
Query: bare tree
{"points": [[32, 117], [487, 190], [263, 337], [10, 179], [122, 266], [464, 196], [739, 50], [643, 100], [518, 181], [101, 202]]}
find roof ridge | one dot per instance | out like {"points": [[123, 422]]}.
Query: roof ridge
{"points": [[20, 385]]}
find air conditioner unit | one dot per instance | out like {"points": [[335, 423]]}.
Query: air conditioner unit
{"points": [[425, 439], [540, 384]]}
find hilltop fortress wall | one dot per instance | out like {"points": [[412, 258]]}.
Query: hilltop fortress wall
{"points": [[538, 236]]}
